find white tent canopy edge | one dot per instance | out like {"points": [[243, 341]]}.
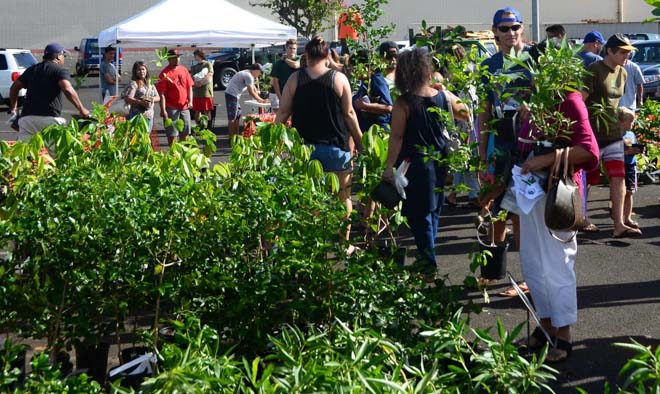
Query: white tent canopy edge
{"points": [[198, 23]]}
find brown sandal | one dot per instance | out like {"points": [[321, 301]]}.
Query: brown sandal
{"points": [[554, 356], [589, 228]]}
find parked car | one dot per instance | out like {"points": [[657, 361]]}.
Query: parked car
{"points": [[647, 55], [89, 56], [642, 36], [228, 61], [651, 81], [12, 64]]}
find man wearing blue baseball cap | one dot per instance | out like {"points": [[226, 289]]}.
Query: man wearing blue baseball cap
{"points": [[44, 82], [503, 114], [591, 46]]}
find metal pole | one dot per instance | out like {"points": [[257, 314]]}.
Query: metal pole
{"points": [[117, 75], [536, 25]]}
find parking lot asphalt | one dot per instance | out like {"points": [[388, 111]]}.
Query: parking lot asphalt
{"points": [[618, 279]]}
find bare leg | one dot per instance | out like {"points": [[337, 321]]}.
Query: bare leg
{"points": [[561, 333], [233, 128], [628, 207], [499, 231], [617, 193], [345, 179]]}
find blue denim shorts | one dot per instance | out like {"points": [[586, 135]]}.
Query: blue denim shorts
{"points": [[332, 158]]}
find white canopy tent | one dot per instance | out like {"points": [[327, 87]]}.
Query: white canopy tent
{"points": [[200, 23]]}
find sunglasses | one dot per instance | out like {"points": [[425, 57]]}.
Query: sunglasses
{"points": [[505, 29]]}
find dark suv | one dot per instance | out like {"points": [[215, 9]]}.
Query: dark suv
{"points": [[228, 61], [89, 57]]}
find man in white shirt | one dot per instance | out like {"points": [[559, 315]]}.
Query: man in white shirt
{"points": [[237, 85], [633, 93]]}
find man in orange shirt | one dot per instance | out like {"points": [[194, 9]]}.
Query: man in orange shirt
{"points": [[348, 21]]}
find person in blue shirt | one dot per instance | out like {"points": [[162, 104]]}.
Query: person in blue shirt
{"points": [[375, 103], [626, 119], [591, 46], [502, 112], [109, 74]]}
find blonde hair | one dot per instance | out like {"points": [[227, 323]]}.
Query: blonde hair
{"points": [[625, 114]]}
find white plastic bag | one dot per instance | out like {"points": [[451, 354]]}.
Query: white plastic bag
{"points": [[201, 75], [400, 180], [117, 105]]}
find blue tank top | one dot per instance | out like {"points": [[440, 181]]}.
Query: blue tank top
{"points": [[424, 128]]}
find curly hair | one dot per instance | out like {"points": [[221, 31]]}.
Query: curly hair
{"points": [[413, 70]]}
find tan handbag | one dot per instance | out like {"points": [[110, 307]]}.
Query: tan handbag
{"points": [[563, 207]]}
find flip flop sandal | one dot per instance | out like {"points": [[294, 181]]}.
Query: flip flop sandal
{"points": [[589, 228], [629, 232], [486, 282], [539, 337], [511, 292], [632, 224], [561, 345]]}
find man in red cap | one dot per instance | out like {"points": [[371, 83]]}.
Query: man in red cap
{"points": [[175, 88]]}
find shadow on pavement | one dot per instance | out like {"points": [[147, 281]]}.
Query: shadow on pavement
{"points": [[595, 361]]}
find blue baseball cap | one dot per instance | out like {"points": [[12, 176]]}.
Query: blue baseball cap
{"points": [[594, 36], [53, 49], [499, 16]]}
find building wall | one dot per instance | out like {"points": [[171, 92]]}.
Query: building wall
{"points": [[34, 23], [478, 14]]}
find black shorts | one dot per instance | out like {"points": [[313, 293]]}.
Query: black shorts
{"points": [[631, 177]]}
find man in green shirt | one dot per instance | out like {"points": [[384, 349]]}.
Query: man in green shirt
{"points": [[282, 69], [603, 90]]}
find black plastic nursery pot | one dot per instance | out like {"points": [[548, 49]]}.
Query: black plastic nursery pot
{"points": [[128, 377], [495, 267], [386, 194], [387, 250], [93, 358], [18, 363]]}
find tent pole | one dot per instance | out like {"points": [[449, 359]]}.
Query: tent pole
{"points": [[252, 49], [117, 69], [100, 76]]}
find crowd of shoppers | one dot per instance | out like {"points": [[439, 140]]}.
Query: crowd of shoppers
{"points": [[317, 96]]}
